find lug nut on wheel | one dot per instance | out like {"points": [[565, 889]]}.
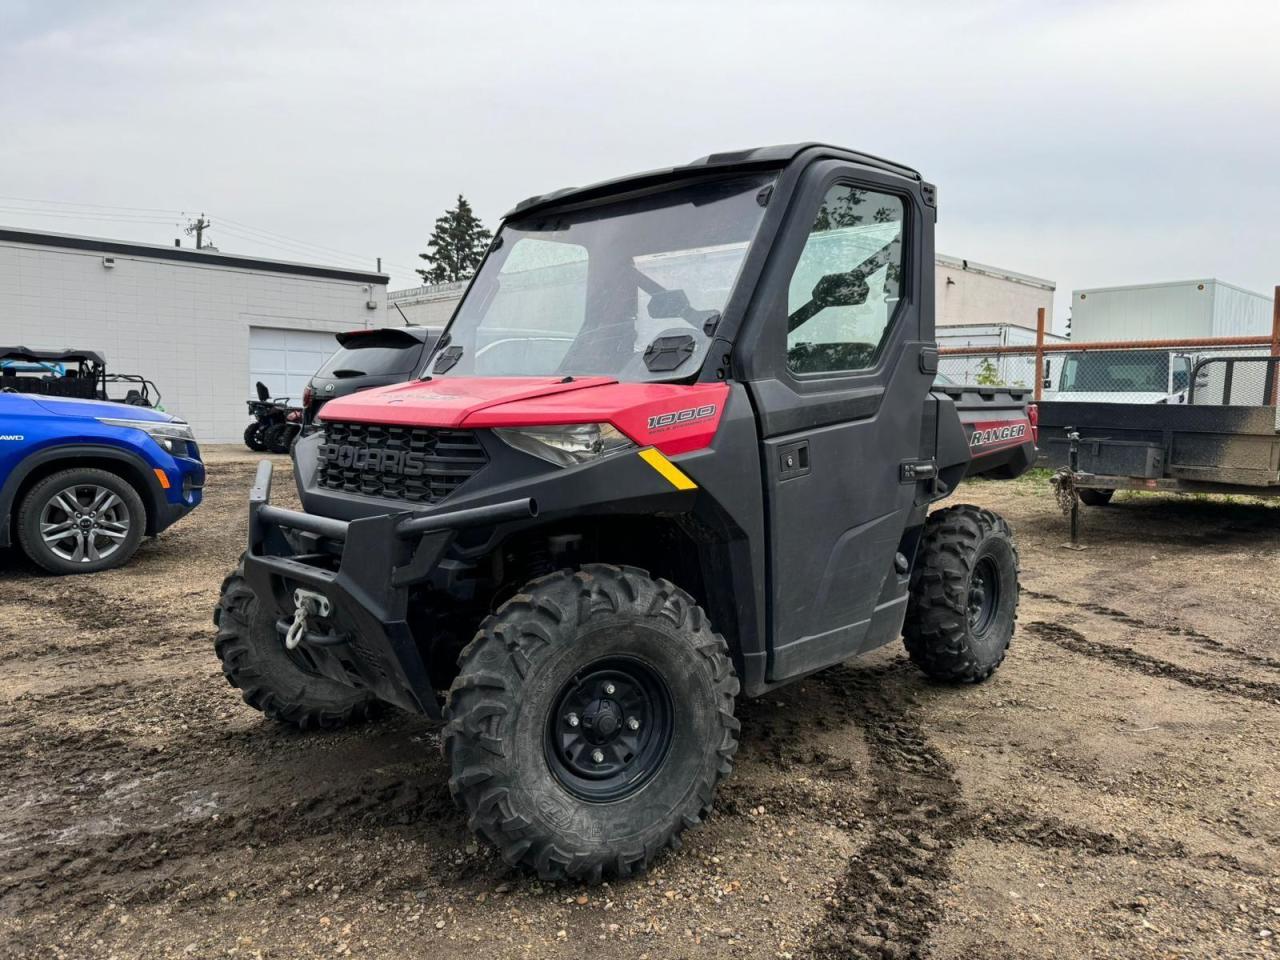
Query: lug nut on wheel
{"points": [[597, 756], [633, 723], [609, 688], [572, 720]]}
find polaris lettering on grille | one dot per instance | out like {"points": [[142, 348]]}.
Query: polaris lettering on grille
{"points": [[1012, 431], [664, 421], [408, 463]]}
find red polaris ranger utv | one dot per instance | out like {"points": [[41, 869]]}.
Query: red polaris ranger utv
{"points": [[677, 444]]}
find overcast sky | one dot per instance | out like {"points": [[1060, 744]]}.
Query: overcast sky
{"points": [[1091, 143]]}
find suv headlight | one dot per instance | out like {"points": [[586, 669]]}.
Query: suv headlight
{"points": [[568, 444], [173, 435]]}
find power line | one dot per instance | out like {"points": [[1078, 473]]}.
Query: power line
{"points": [[96, 206], [69, 210], [306, 243], [294, 240], [292, 249], [113, 218]]}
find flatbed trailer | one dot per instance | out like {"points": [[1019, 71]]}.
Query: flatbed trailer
{"points": [[1180, 448]]}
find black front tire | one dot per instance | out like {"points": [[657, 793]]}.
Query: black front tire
{"points": [[253, 438], [1092, 497], [122, 528], [255, 661], [504, 726], [964, 595]]}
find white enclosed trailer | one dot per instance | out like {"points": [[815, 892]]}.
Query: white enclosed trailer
{"points": [[1168, 311]]}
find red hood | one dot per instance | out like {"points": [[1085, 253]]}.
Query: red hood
{"points": [[447, 401], [675, 418]]}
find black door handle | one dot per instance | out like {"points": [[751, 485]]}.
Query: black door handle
{"points": [[793, 459]]}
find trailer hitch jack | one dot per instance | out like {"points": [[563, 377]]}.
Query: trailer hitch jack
{"points": [[1066, 490]]}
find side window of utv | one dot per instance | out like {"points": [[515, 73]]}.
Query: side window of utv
{"points": [[844, 291]]}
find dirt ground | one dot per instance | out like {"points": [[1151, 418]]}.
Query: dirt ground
{"points": [[1112, 792]]}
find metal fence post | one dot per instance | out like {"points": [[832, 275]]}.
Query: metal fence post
{"points": [[1272, 378], [1073, 464], [1040, 345]]}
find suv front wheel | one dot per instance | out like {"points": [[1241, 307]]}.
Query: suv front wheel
{"points": [[81, 521]]}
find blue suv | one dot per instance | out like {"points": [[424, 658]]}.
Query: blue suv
{"points": [[82, 481]]}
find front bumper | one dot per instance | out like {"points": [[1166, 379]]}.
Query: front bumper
{"points": [[182, 491], [365, 568]]}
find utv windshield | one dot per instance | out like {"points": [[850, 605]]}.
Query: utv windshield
{"points": [[628, 289]]}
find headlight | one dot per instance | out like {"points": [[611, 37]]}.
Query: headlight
{"points": [[568, 444], [173, 435]]}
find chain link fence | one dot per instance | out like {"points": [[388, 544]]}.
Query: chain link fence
{"points": [[1240, 371]]}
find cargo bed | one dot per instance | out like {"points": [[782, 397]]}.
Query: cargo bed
{"points": [[998, 428]]}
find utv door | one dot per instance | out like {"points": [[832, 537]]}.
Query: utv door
{"points": [[839, 376]]}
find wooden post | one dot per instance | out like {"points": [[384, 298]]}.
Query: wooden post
{"points": [[1273, 372], [1040, 344]]}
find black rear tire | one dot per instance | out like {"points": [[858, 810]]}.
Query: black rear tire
{"points": [[74, 540], [255, 661], [1092, 497], [964, 595], [253, 438], [528, 774], [279, 437]]}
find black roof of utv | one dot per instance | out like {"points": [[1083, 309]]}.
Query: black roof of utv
{"points": [[755, 158], [26, 354]]}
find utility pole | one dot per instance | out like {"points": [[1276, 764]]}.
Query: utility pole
{"points": [[197, 227]]}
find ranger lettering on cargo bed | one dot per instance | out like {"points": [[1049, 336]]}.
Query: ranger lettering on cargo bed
{"points": [[991, 435]]}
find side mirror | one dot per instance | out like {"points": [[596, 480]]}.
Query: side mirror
{"points": [[841, 290], [1047, 383], [1181, 378], [669, 305]]}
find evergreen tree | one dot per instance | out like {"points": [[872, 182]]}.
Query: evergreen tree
{"points": [[457, 245]]}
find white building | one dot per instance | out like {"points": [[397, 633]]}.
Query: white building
{"points": [[204, 326], [966, 293]]}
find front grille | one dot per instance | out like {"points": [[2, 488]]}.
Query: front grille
{"points": [[439, 461]]}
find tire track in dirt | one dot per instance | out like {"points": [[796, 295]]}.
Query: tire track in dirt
{"points": [[82, 606], [1019, 825], [127, 862], [1129, 620], [1128, 658], [886, 904]]}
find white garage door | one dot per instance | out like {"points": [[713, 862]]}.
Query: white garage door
{"points": [[286, 359]]}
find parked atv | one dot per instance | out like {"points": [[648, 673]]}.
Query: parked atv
{"points": [[275, 423], [678, 444]]}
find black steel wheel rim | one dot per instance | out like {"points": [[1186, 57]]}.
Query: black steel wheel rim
{"points": [[609, 729], [984, 595]]}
